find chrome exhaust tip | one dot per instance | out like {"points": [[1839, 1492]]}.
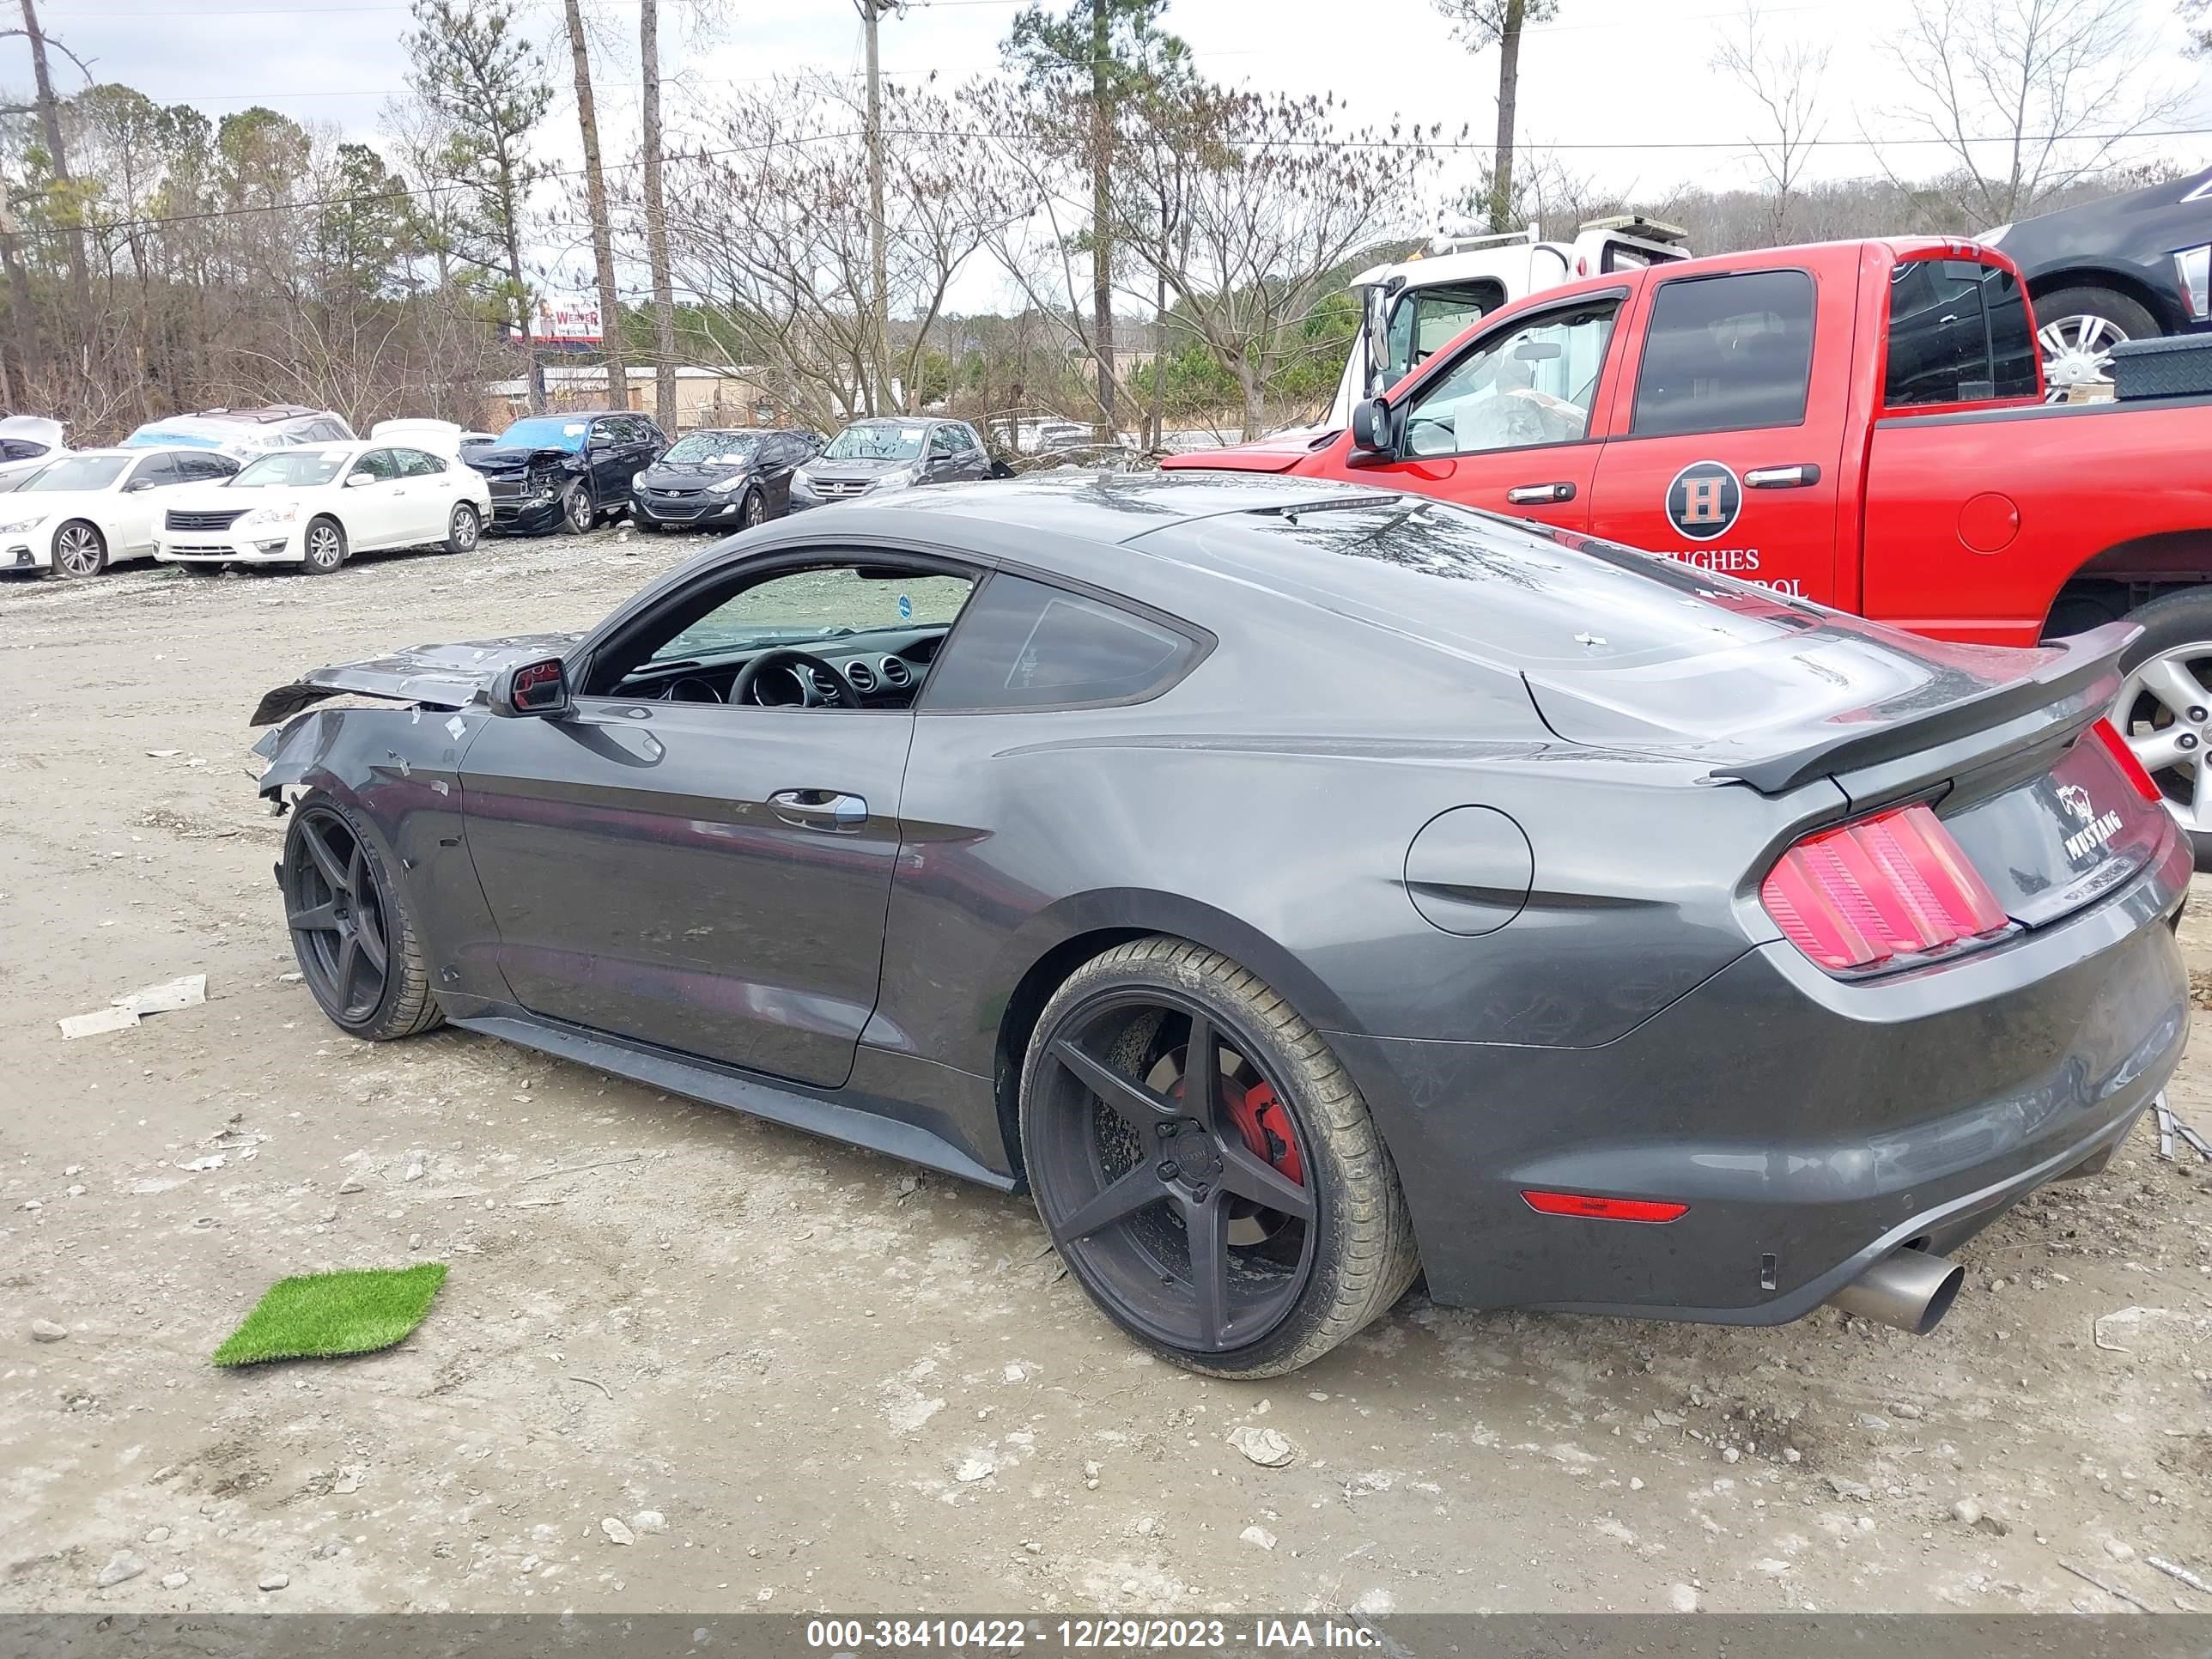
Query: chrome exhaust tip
{"points": [[1909, 1290]]}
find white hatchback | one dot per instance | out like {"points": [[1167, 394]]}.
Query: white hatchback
{"points": [[82, 512], [317, 506]]}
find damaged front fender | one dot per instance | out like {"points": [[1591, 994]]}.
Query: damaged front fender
{"points": [[438, 677]]}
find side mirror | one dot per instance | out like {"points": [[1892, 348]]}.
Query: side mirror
{"points": [[536, 689], [1373, 431], [356, 480], [1374, 320], [137, 484]]}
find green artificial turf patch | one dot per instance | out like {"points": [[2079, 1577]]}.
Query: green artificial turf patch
{"points": [[320, 1315]]}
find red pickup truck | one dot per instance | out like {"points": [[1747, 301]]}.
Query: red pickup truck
{"points": [[1861, 424]]}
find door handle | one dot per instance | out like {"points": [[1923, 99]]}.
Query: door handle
{"points": [[1540, 494], [819, 809], [1799, 477]]}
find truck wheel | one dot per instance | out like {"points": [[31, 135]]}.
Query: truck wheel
{"points": [[2164, 707], [2079, 327]]}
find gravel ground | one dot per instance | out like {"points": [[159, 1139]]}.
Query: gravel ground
{"points": [[687, 1361]]}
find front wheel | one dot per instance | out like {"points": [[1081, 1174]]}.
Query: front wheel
{"points": [[464, 529], [325, 547], [79, 550], [352, 929], [577, 513], [2164, 708], [750, 511], [1206, 1167]]}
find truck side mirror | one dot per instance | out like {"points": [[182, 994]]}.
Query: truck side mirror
{"points": [[1375, 321], [1373, 431], [536, 689]]}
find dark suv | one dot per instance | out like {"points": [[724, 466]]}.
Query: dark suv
{"points": [[565, 471]]}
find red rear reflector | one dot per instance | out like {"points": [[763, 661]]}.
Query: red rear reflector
{"points": [[1602, 1209], [1895, 885], [2124, 758]]}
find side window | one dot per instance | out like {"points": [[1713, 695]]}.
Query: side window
{"points": [[1023, 645], [1725, 353], [1958, 333], [154, 472], [964, 441], [1533, 385], [379, 464], [326, 432], [201, 469], [414, 463], [1428, 319], [941, 442]]}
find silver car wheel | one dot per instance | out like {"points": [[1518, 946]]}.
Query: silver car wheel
{"points": [[2164, 712], [2077, 351], [78, 551]]}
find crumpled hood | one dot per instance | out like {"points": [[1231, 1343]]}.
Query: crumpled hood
{"points": [[438, 676], [502, 463]]}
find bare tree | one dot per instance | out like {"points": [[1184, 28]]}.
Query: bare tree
{"points": [[1481, 25], [1277, 200], [656, 220], [595, 208], [2024, 97], [2197, 14], [1785, 80], [50, 121]]}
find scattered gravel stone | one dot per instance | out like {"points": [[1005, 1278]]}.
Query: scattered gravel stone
{"points": [[175, 1580], [2118, 1551], [159, 1536], [648, 1520], [1259, 1535], [1730, 1454], [121, 1568], [1843, 1488], [44, 1330], [275, 1581], [1967, 1512], [1683, 1599], [1635, 1483], [974, 1468], [616, 1533], [1269, 1448], [1791, 1454], [1905, 1408], [351, 1185]]}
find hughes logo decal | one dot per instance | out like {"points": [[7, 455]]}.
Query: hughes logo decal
{"points": [[1703, 500]]}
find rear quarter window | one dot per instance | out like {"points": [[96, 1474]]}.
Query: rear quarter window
{"points": [[1024, 645]]}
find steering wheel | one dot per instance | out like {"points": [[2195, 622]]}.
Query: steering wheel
{"points": [[741, 688]]}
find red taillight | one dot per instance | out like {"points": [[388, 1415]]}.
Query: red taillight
{"points": [[1895, 885], [1602, 1209], [2124, 758]]}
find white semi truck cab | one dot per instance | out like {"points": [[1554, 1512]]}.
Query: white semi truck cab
{"points": [[1421, 302]]}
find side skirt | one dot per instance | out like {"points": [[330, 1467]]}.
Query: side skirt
{"points": [[828, 1118]]}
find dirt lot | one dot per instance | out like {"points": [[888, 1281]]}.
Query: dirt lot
{"points": [[837, 1385]]}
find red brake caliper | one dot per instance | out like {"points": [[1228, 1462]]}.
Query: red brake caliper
{"points": [[1266, 1128]]}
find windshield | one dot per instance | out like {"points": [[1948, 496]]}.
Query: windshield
{"points": [[78, 472], [712, 449], [884, 440], [545, 432], [299, 468]]}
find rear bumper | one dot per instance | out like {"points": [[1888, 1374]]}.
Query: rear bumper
{"points": [[1810, 1126]]}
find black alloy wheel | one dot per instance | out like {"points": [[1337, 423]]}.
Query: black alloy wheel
{"points": [[577, 512], [1169, 1171], [339, 915]]}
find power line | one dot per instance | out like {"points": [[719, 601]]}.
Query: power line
{"points": [[1485, 146]]}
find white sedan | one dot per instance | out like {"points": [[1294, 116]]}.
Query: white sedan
{"points": [[317, 504], [80, 513]]}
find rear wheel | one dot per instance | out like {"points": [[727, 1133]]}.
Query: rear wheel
{"points": [[352, 929], [79, 550], [325, 547], [1206, 1167], [2077, 329], [464, 530], [2164, 707]]}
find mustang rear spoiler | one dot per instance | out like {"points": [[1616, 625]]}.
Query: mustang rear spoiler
{"points": [[2071, 689]]}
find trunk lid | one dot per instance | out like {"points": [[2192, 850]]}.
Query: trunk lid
{"points": [[438, 676]]}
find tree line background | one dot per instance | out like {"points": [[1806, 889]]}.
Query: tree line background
{"points": [[1177, 249]]}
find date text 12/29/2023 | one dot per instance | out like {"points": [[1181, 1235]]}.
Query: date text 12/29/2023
{"points": [[854, 1636]]}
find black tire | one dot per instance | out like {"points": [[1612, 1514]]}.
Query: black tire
{"points": [[353, 870], [464, 529], [1356, 1252], [578, 515], [751, 510], [200, 568], [325, 546], [79, 550], [2178, 623], [2057, 310]]}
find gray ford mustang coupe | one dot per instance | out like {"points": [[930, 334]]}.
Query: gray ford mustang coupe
{"points": [[1295, 887]]}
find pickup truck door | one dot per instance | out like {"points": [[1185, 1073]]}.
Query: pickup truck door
{"points": [[1726, 445], [1512, 422]]}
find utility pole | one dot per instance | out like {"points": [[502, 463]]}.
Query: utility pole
{"points": [[1101, 213], [595, 201], [656, 222], [879, 302]]}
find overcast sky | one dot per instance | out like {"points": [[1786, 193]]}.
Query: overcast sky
{"points": [[1623, 88]]}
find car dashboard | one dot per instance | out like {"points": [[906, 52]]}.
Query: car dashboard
{"points": [[884, 670]]}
